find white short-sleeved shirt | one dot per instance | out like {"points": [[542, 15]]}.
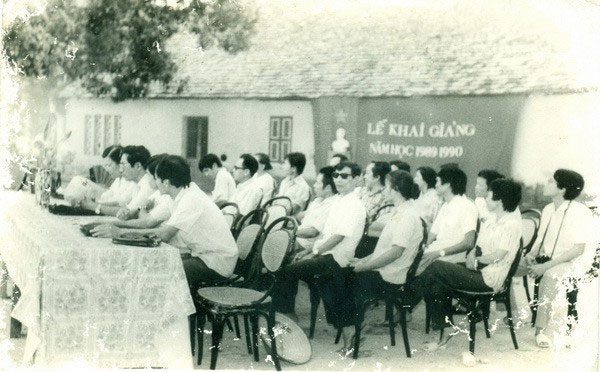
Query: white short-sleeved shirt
{"points": [[266, 183], [315, 217], [454, 220], [145, 189], [428, 204], [247, 196], [224, 186], [163, 206], [494, 235], [121, 191], [404, 230], [202, 230], [482, 209], [347, 218], [576, 228], [296, 189]]}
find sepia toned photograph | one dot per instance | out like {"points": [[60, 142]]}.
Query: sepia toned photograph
{"points": [[311, 185]]}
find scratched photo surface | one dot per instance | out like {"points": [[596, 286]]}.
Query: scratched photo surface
{"points": [[228, 92]]}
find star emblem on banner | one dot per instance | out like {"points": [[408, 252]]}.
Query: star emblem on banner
{"points": [[341, 117]]}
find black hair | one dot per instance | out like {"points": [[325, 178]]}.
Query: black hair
{"points": [[137, 154], [489, 175], [264, 160], [113, 152], [507, 191], [403, 182], [571, 181], [327, 173], [380, 170], [297, 160], [341, 156], [428, 175], [175, 169], [223, 157], [401, 165], [208, 160], [153, 162], [354, 168], [449, 165], [455, 177], [249, 162]]}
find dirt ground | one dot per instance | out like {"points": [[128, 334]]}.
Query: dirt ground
{"points": [[496, 353]]}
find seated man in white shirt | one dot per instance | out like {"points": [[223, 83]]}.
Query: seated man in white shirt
{"points": [[313, 219], [247, 195], [156, 211], [566, 231], [134, 160], [196, 226], [485, 178], [294, 186], [486, 267], [263, 179], [332, 251], [211, 166], [453, 230]]}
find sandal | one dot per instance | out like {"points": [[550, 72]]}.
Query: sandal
{"points": [[543, 341]]}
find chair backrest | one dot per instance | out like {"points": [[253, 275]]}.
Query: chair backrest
{"points": [[280, 200], [252, 218], [531, 224], [513, 267], [380, 211], [412, 270], [231, 211], [247, 239], [277, 243]]}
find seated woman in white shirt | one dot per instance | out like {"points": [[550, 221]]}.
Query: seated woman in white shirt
{"points": [[428, 203], [484, 178], [156, 211], [313, 220], [566, 230], [487, 265], [196, 226], [263, 179]]}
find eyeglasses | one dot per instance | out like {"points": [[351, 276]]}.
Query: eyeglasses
{"points": [[343, 175]]}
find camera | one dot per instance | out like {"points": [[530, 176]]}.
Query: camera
{"points": [[542, 259]]}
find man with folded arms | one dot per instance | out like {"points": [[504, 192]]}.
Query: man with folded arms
{"points": [[453, 230], [134, 160], [196, 226], [332, 251], [487, 265]]}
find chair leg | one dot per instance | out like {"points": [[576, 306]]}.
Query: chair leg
{"points": [[271, 332], [486, 327], [247, 332], [526, 285], [572, 307], [472, 330], [511, 325], [193, 324], [533, 305], [427, 318], [217, 335], [201, 321], [314, 307], [389, 313], [402, 310], [254, 324], [338, 335], [357, 329], [236, 326], [229, 325]]}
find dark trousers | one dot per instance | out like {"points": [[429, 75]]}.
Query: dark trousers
{"points": [[369, 285], [331, 281], [438, 281], [198, 274]]}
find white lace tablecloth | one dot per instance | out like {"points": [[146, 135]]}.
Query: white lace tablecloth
{"points": [[88, 300]]}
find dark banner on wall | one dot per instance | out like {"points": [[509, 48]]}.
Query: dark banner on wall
{"points": [[475, 132]]}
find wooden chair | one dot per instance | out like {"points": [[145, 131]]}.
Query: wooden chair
{"points": [[393, 298], [231, 211], [220, 303], [531, 225], [279, 206]]}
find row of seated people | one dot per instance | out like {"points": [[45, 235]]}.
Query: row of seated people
{"points": [[167, 203]]}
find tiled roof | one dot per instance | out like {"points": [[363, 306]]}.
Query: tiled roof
{"points": [[382, 48]]}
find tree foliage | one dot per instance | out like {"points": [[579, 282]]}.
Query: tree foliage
{"points": [[116, 47]]}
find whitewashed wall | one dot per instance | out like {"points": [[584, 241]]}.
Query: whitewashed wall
{"points": [[235, 126]]}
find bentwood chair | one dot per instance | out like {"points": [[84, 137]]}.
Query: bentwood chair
{"points": [[231, 211], [394, 297], [220, 303], [368, 242], [275, 208], [477, 304], [531, 225]]}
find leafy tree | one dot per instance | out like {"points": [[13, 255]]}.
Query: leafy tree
{"points": [[116, 47]]}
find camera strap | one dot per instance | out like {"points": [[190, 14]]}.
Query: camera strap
{"points": [[557, 234]]}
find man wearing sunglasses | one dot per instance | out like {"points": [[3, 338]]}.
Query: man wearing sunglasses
{"points": [[333, 250]]}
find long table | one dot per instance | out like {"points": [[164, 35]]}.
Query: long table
{"points": [[87, 300]]}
